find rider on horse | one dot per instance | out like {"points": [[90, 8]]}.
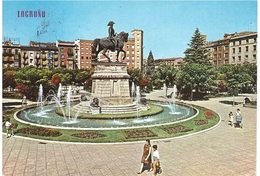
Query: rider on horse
{"points": [[111, 33]]}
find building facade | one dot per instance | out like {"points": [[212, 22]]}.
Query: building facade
{"points": [[176, 62], [243, 48], [84, 53], [68, 54], [236, 48], [11, 54]]}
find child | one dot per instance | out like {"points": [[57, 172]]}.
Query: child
{"points": [[231, 118], [156, 159], [8, 127]]}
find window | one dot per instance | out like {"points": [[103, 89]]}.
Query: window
{"points": [[240, 42], [239, 58], [226, 55], [246, 57], [234, 50], [239, 49], [254, 56], [233, 59], [246, 48], [226, 47], [247, 40], [234, 43], [254, 47]]}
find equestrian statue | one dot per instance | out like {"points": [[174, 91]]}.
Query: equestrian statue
{"points": [[114, 42]]}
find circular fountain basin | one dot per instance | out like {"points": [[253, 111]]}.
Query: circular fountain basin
{"points": [[47, 117]]}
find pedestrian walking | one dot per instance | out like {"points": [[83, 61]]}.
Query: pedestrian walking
{"points": [[146, 157], [231, 118], [156, 160], [9, 128], [239, 118]]}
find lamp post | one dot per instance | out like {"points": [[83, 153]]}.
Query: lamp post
{"points": [[233, 92]]}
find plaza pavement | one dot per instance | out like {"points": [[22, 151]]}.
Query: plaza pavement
{"points": [[221, 151]]}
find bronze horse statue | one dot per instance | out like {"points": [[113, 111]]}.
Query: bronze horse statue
{"points": [[106, 44]]}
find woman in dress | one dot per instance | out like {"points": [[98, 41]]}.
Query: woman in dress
{"points": [[146, 157]]}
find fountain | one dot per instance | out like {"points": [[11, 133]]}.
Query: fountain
{"points": [[174, 107], [68, 103], [47, 116], [59, 92], [133, 89], [40, 97], [137, 101]]}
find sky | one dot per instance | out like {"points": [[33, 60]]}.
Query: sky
{"points": [[168, 26]]}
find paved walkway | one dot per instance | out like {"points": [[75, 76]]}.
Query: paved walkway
{"points": [[222, 151]]}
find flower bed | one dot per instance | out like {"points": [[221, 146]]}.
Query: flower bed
{"points": [[40, 131], [139, 133], [209, 114], [201, 122], [177, 129], [88, 135]]}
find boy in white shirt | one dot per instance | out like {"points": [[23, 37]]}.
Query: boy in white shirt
{"points": [[8, 127], [156, 158]]}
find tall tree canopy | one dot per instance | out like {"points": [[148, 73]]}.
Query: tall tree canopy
{"points": [[197, 53]]}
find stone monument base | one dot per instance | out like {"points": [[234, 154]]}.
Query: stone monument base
{"points": [[110, 83]]}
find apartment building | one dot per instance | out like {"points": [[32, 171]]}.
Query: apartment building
{"points": [[176, 62], [68, 54], [11, 54], [37, 54], [84, 53], [40, 55], [243, 48], [219, 51], [236, 48], [136, 58]]}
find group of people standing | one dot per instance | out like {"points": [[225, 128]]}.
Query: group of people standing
{"points": [[150, 158], [238, 117]]}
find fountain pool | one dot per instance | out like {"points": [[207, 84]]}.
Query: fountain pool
{"points": [[48, 118]]}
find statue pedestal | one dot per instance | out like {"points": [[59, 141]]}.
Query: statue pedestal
{"points": [[95, 110], [110, 83]]}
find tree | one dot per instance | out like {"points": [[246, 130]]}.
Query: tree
{"points": [[197, 53], [66, 79], [194, 78], [9, 79], [238, 77], [167, 73], [82, 76], [150, 64], [29, 78], [56, 79]]}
